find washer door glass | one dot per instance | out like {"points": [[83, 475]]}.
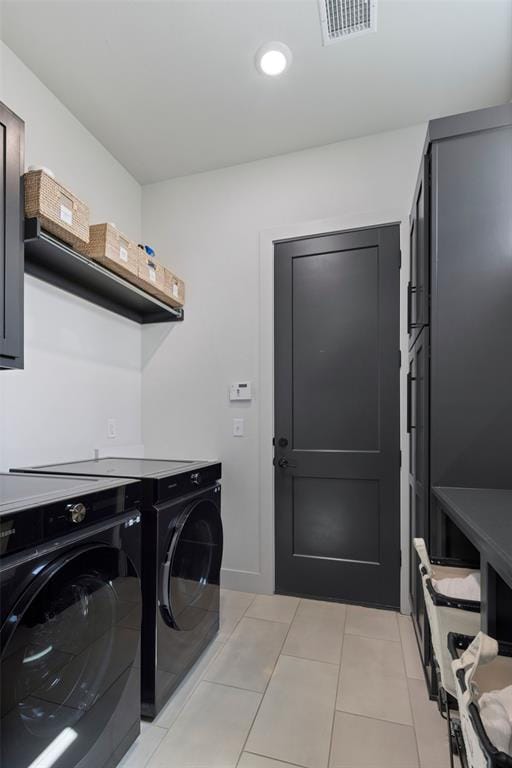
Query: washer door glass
{"points": [[68, 648], [191, 572]]}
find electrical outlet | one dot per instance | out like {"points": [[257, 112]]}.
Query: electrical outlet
{"points": [[111, 428]]}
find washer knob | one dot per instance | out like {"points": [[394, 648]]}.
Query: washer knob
{"points": [[195, 478], [77, 512]]}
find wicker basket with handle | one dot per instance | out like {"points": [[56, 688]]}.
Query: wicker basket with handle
{"points": [[174, 288], [61, 212], [151, 276], [110, 248]]}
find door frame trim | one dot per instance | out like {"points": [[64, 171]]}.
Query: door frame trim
{"points": [[264, 579]]}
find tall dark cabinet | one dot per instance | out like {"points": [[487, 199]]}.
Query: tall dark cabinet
{"points": [[459, 404], [11, 239]]}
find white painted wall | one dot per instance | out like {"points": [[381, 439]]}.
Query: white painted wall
{"points": [[216, 229], [82, 363]]}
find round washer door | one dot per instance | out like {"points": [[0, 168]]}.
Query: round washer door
{"points": [[191, 571], [68, 648]]}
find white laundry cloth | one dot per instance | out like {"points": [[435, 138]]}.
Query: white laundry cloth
{"points": [[467, 588], [496, 714]]}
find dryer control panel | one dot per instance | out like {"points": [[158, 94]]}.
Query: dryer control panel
{"points": [[184, 483]]}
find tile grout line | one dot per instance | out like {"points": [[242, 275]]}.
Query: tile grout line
{"points": [[337, 692], [380, 719], [410, 701], [333, 723], [153, 751], [266, 687], [269, 621], [371, 717], [239, 618], [307, 658], [230, 685], [372, 637], [163, 727], [241, 615], [416, 650], [265, 757], [200, 680]]}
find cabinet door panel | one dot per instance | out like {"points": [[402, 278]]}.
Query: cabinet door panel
{"points": [[419, 518], [11, 240], [418, 406], [419, 285], [472, 309]]}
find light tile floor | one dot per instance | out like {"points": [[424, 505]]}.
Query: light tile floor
{"points": [[295, 683]]}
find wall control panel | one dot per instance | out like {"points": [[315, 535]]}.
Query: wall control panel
{"points": [[240, 390]]}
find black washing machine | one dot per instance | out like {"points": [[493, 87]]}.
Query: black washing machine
{"points": [[70, 608], [182, 557]]}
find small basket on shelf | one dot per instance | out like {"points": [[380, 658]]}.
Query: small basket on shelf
{"points": [[159, 281], [113, 250], [59, 210], [174, 288]]}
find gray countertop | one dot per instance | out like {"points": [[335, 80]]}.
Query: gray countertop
{"points": [[484, 515], [24, 491]]}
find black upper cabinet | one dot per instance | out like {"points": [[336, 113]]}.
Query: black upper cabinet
{"points": [[459, 314], [11, 239], [471, 442]]}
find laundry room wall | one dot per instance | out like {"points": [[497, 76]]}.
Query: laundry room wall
{"points": [[209, 228], [82, 363]]}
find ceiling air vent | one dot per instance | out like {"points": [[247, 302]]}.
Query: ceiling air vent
{"points": [[347, 18]]}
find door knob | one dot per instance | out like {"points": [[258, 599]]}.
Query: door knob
{"points": [[284, 463]]}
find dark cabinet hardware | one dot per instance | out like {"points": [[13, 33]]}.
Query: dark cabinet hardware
{"points": [[412, 291], [283, 442], [410, 379], [409, 307]]}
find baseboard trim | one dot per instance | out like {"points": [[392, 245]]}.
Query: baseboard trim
{"points": [[246, 581]]}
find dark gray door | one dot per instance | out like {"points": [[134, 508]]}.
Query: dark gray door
{"points": [[337, 418]]}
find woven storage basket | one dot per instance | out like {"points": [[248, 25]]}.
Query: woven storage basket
{"points": [[484, 666], [113, 250], [61, 213], [175, 289], [445, 615], [151, 276]]}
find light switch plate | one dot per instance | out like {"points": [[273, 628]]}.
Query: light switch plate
{"points": [[238, 427]]}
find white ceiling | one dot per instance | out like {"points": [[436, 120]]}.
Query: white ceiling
{"points": [[170, 87]]}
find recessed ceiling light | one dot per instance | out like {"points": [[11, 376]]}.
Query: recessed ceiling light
{"points": [[273, 59]]}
